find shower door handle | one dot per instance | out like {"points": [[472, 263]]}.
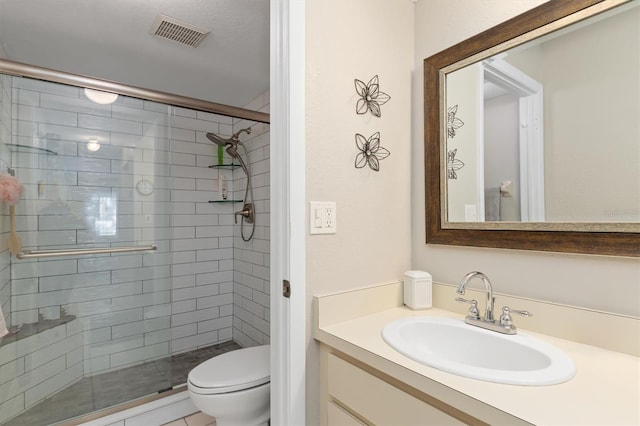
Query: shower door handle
{"points": [[31, 254]]}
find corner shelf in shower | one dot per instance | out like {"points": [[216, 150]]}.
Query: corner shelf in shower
{"points": [[25, 330], [224, 166]]}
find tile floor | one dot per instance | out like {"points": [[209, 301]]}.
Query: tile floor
{"points": [[198, 419], [109, 389]]}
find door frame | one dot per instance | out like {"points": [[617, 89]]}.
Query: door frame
{"points": [[287, 165], [531, 135]]}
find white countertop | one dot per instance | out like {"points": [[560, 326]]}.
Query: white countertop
{"points": [[604, 391]]}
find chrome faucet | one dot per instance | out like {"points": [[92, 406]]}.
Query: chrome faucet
{"points": [[488, 314], [504, 325]]}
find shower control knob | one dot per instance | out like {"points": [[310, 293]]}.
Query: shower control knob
{"points": [[247, 213]]}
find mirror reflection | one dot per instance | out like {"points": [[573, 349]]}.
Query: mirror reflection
{"points": [[549, 131]]}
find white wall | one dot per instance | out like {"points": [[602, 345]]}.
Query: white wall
{"points": [[603, 182], [580, 83], [462, 90], [348, 40], [597, 282]]}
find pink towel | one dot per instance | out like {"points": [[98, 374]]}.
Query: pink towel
{"points": [[3, 325]]}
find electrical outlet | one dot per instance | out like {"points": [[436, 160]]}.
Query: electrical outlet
{"points": [[322, 217], [470, 213]]}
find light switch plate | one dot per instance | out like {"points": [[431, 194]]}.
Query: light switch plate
{"points": [[322, 217]]}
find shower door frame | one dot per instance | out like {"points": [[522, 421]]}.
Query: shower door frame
{"points": [[19, 69]]}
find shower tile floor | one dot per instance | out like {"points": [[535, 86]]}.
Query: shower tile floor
{"points": [[109, 389]]}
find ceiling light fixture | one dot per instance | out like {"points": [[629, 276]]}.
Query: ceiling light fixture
{"points": [[100, 97]]}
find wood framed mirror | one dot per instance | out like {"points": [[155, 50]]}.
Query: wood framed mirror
{"points": [[546, 217]]}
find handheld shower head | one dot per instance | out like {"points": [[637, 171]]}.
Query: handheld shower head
{"points": [[233, 152]]}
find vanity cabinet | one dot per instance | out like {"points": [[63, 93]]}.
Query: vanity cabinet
{"points": [[363, 380], [337, 415], [360, 395]]}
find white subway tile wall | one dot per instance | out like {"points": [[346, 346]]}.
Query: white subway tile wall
{"points": [[202, 286], [251, 273]]}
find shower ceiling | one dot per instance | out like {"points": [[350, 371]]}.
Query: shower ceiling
{"points": [[111, 40]]}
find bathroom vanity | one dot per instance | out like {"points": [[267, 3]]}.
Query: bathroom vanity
{"points": [[366, 381]]}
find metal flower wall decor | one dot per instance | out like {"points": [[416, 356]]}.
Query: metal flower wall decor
{"points": [[453, 164], [371, 97], [370, 151], [453, 123]]}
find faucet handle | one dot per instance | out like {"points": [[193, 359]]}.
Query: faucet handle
{"points": [[473, 309], [505, 318], [517, 312]]}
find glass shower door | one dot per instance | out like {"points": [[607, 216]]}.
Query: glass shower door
{"points": [[144, 291], [88, 329]]}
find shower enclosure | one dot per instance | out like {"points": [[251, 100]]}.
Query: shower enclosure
{"points": [[132, 269]]}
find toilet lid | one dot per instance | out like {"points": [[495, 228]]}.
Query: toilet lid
{"points": [[239, 369]]}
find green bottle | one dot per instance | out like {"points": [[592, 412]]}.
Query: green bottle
{"points": [[220, 154]]}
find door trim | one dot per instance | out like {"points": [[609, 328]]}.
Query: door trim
{"points": [[287, 153]]}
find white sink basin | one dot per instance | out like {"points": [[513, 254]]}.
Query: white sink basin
{"points": [[451, 345]]}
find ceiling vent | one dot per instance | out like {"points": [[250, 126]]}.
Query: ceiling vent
{"points": [[176, 30]]}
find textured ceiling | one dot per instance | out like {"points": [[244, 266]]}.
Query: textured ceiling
{"points": [[110, 39]]}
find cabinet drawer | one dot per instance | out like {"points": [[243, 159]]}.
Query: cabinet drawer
{"points": [[377, 401], [337, 416]]}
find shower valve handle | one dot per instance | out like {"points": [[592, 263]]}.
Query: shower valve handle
{"points": [[247, 213]]}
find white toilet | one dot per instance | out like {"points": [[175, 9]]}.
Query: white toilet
{"points": [[233, 387]]}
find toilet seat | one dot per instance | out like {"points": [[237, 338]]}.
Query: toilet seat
{"points": [[232, 371]]}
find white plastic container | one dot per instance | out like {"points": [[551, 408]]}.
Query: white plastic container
{"points": [[223, 189], [417, 289]]}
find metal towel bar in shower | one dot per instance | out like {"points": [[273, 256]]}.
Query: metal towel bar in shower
{"points": [[31, 254]]}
